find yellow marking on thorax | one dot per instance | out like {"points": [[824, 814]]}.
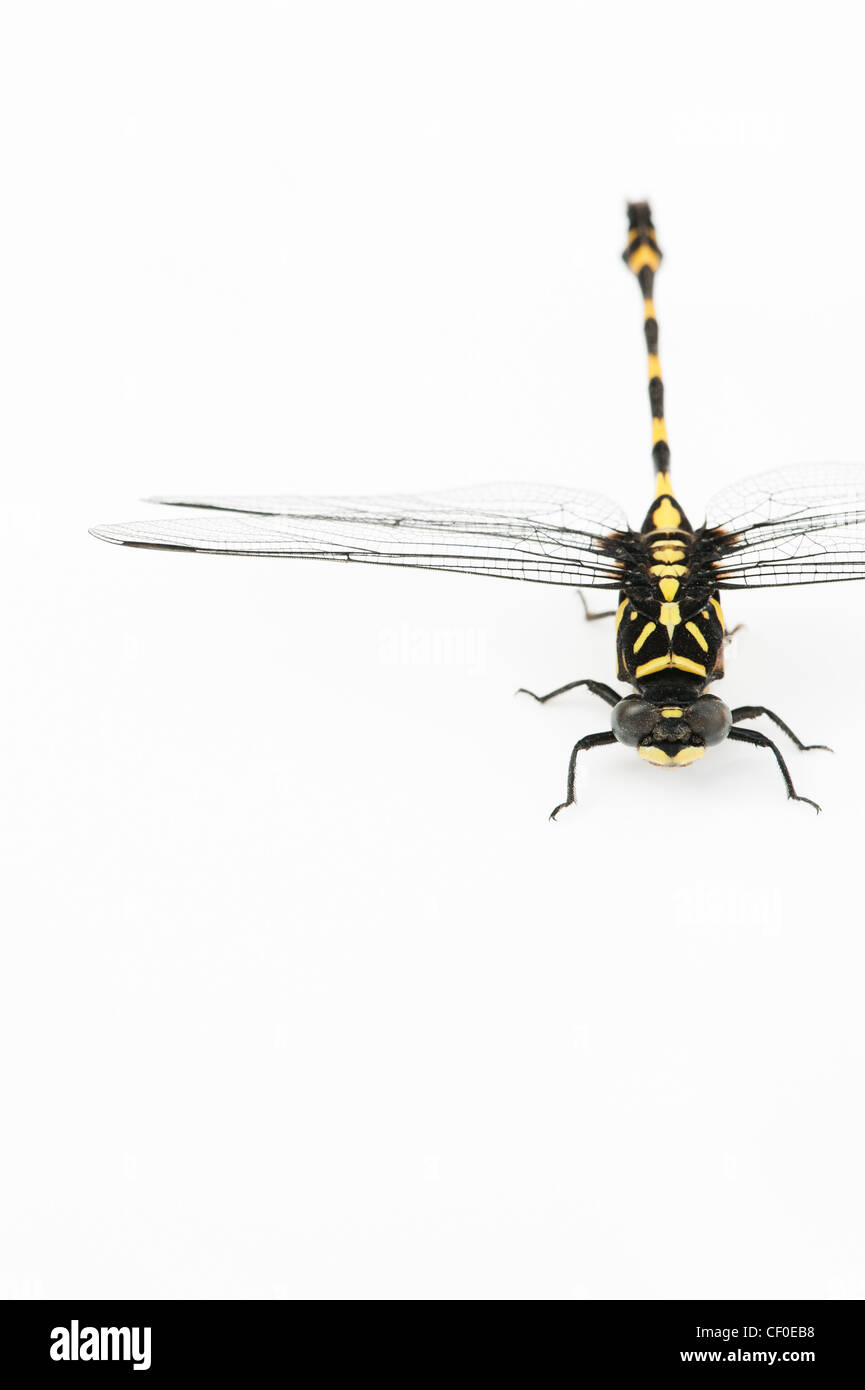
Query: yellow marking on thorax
{"points": [[670, 617], [697, 635], [688, 754], [646, 632], [669, 553], [682, 663], [659, 432], [643, 255], [717, 607], [662, 486], [665, 517], [671, 712], [669, 587], [654, 365], [660, 663], [632, 615], [704, 612], [620, 612]]}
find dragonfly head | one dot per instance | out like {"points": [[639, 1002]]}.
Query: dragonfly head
{"points": [[671, 735]]}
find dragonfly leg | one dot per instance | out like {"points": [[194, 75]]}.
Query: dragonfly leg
{"points": [[590, 741], [605, 692], [761, 741], [593, 617], [730, 632], [754, 711]]}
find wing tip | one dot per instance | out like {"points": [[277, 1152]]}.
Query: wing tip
{"points": [[104, 533], [110, 534]]}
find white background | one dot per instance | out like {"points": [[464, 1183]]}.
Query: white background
{"points": [[301, 993]]}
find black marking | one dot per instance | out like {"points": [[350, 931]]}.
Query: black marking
{"points": [[646, 278], [661, 456], [639, 215]]}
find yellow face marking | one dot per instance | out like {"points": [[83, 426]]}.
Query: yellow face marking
{"points": [[662, 486], [717, 607], [697, 635], [654, 365], [671, 712], [659, 432], [669, 588], [668, 553], [644, 255], [665, 517], [670, 615], [620, 612], [647, 632], [686, 755], [682, 663]]}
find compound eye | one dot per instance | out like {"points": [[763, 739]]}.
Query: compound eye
{"points": [[633, 720], [710, 718]]}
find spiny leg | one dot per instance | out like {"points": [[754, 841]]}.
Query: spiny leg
{"points": [[605, 692], [589, 741], [754, 712], [730, 632], [761, 741], [593, 617]]}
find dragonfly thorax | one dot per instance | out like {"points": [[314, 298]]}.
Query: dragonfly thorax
{"points": [[669, 617]]}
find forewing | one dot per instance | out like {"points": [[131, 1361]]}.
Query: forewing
{"points": [[802, 525], [516, 531]]}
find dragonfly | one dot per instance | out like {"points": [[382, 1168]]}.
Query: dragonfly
{"points": [[795, 525]]}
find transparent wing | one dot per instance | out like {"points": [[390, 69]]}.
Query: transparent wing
{"points": [[550, 535], [801, 525]]}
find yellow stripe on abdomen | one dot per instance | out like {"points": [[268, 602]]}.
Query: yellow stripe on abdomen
{"points": [[665, 516], [644, 255]]}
